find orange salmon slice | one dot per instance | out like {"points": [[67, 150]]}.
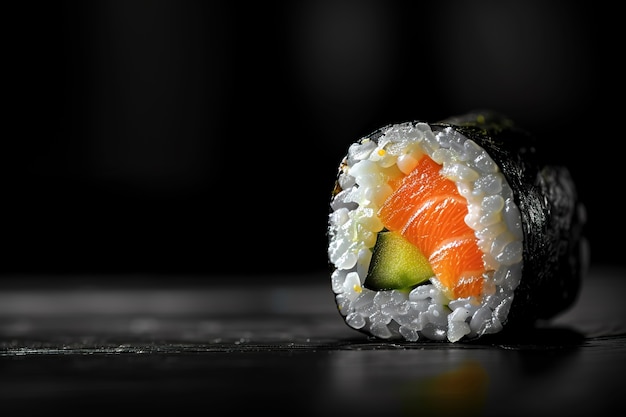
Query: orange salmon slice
{"points": [[427, 209]]}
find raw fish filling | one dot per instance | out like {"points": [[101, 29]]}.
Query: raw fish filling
{"points": [[429, 212]]}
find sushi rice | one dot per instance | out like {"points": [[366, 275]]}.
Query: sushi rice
{"points": [[428, 311]]}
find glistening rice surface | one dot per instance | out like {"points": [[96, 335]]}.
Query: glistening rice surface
{"points": [[427, 311]]}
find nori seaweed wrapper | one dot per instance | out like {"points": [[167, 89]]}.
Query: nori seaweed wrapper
{"points": [[555, 254]]}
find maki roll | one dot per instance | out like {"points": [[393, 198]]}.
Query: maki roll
{"points": [[453, 230]]}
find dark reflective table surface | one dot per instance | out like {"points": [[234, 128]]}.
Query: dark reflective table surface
{"points": [[282, 348]]}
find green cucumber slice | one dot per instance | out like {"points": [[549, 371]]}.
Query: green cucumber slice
{"points": [[396, 264]]}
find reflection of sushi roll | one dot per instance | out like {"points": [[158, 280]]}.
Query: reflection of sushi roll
{"points": [[452, 230]]}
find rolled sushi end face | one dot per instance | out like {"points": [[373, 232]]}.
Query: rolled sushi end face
{"points": [[425, 237]]}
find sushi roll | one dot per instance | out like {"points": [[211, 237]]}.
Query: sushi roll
{"points": [[453, 230]]}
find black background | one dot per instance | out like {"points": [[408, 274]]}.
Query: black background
{"points": [[202, 139]]}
